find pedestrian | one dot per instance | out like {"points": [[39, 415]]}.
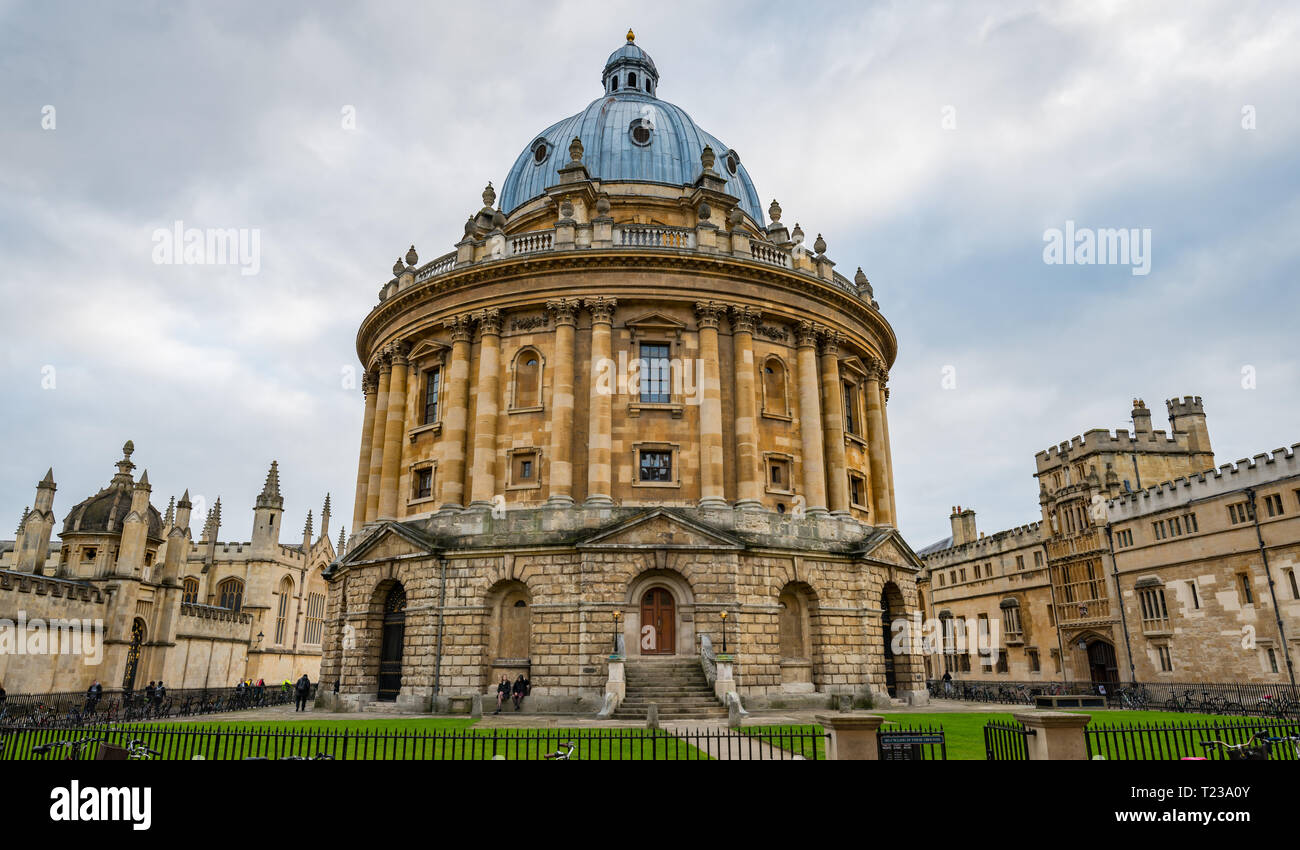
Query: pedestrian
{"points": [[302, 691], [519, 691], [261, 691], [159, 693], [93, 693], [503, 692], [947, 683]]}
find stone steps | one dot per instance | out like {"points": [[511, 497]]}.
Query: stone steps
{"points": [[676, 685]]}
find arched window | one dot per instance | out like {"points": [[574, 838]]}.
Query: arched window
{"points": [[631, 81], [774, 387], [528, 379], [230, 594], [190, 591], [282, 610]]}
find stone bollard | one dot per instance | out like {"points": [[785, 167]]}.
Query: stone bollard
{"points": [[1055, 735], [476, 706], [733, 714], [853, 736], [652, 716]]}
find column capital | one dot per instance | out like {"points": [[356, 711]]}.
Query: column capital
{"points": [[830, 340], [563, 310], [385, 361], [876, 370], [489, 322], [885, 393], [806, 334], [745, 319], [369, 383], [602, 309], [460, 327], [708, 313], [397, 351]]}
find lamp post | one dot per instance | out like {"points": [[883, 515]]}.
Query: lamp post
{"points": [[618, 619], [724, 632]]}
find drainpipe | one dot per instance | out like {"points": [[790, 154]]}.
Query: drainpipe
{"points": [[442, 615], [1272, 590], [1119, 600]]}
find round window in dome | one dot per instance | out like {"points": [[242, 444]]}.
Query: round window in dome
{"points": [[733, 162], [541, 151], [641, 132]]}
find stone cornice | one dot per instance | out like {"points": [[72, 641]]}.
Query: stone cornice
{"points": [[717, 266]]}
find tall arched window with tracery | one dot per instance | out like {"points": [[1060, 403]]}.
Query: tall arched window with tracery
{"points": [[190, 591], [282, 610], [230, 594]]}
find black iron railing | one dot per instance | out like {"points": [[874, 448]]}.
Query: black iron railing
{"points": [[118, 706], [1006, 740], [190, 741], [1250, 699], [1166, 741]]}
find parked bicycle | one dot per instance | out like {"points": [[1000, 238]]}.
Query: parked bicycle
{"points": [[562, 754], [1257, 748], [1277, 705]]}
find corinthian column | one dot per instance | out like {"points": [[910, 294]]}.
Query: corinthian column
{"points": [[833, 425], [455, 419], [368, 382], [876, 446], [810, 421], [708, 313], [600, 436], [483, 481], [564, 311], [889, 453], [377, 438], [749, 472], [394, 431]]}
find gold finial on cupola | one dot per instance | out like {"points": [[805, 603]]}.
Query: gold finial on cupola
{"points": [[631, 36]]}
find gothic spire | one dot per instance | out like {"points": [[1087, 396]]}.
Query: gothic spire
{"points": [[270, 496]]}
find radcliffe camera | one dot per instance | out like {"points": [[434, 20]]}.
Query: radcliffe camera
{"points": [[404, 384]]}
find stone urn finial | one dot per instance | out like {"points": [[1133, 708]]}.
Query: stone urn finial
{"points": [[774, 212], [575, 149], [398, 268], [489, 195], [566, 208], [602, 205], [820, 245], [411, 257], [797, 234], [707, 158]]}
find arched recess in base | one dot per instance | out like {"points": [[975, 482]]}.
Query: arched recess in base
{"points": [[903, 669], [390, 597], [508, 648], [798, 640]]}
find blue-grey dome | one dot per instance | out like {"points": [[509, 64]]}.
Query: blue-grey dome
{"points": [[627, 135]]}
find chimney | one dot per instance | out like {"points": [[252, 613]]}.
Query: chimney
{"points": [[1141, 418], [963, 526]]}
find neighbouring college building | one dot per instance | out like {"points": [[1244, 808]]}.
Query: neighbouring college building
{"points": [[1148, 564], [631, 410]]}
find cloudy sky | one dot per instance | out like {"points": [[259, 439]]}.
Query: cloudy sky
{"points": [[932, 144]]}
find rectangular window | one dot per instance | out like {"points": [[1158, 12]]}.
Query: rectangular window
{"points": [[1295, 589], [1020, 562], [432, 384], [988, 570], [1155, 616], [1158, 530], [850, 403], [857, 490], [424, 483], [962, 571], [1038, 559], [1247, 596], [942, 583], [1175, 527], [1272, 659], [1196, 597], [655, 387], [1192, 528], [1032, 656], [1056, 660], [656, 466], [1166, 662], [1237, 513], [1274, 504], [779, 475], [523, 468]]}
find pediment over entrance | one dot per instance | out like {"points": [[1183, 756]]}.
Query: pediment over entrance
{"points": [[663, 529], [888, 547], [655, 324], [390, 541]]}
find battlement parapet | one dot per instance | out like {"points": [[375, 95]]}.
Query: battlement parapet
{"points": [[990, 544], [1262, 469], [1099, 440], [56, 588]]}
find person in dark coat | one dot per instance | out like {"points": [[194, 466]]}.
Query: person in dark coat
{"points": [[520, 690], [159, 694], [503, 692], [93, 693], [301, 690]]}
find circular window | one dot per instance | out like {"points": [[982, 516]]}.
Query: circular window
{"points": [[541, 150], [640, 132], [733, 162]]}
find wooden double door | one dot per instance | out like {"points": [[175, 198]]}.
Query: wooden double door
{"points": [[658, 622]]}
